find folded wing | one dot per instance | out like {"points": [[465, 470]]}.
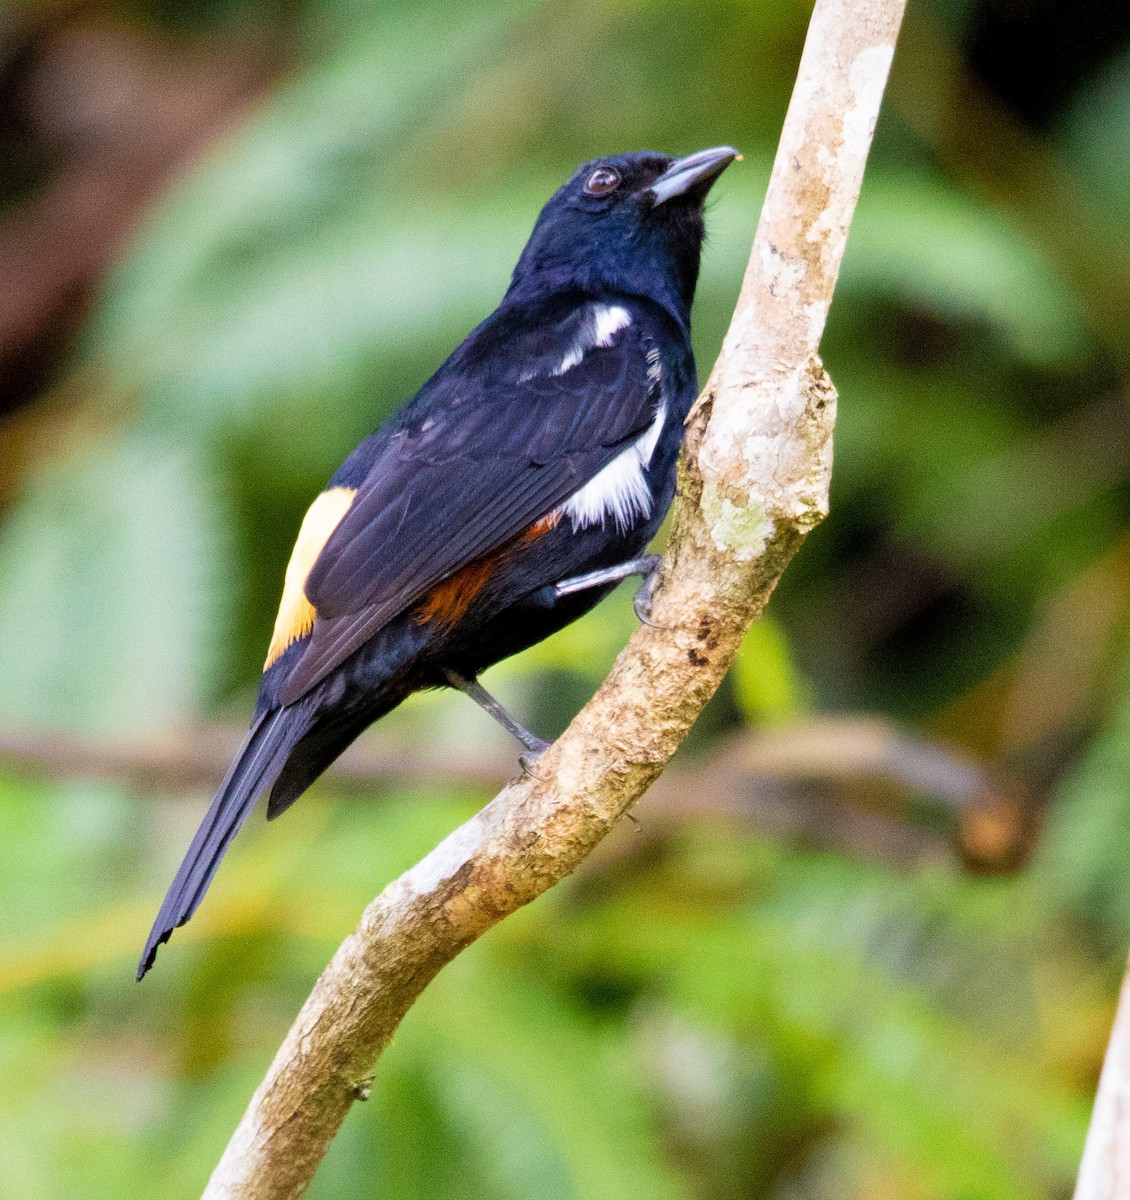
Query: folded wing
{"points": [[524, 414]]}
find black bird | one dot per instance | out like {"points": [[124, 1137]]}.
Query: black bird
{"points": [[515, 489]]}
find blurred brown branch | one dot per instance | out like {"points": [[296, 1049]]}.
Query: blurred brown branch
{"points": [[199, 760], [755, 482], [841, 782]]}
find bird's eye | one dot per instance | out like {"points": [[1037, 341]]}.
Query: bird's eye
{"points": [[602, 181]]}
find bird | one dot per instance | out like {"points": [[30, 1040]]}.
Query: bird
{"points": [[520, 485]]}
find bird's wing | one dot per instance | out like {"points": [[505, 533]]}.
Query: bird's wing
{"points": [[490, 447]]}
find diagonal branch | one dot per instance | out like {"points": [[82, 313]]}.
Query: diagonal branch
{"points": [[755, 481], [1104, 1173]]}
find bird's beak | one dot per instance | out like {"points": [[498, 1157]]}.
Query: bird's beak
{"points": [[695, 172]]}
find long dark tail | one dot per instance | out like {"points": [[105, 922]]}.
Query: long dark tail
{"points": [[321, 746], [261, 758]]}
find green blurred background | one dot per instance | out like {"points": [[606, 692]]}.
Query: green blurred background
{"points": [[868, 938]]}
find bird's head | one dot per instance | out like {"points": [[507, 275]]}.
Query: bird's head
{"points": [[629, 223]]}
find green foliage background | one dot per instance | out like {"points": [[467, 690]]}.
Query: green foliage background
{"points": [[728, 1014]]}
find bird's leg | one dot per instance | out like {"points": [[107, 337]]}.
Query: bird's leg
{"points": [[471, 687], [647, 567]]}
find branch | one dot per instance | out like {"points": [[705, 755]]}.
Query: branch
{"points": [[827, 748], [1105, 1171], [838, 781], [200, 758], [755, 481]]}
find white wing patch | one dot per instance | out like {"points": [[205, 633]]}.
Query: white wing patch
{"points": [[609, 320], [600, 325], [619, 490]]}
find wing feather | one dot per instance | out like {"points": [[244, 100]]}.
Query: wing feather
{"points": [[474, 461]]}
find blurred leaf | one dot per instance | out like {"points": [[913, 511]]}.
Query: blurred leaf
{"points": [[1084, 859], [589, 1131], [766, 685], [275, 257], [916, 238], [114, 590], [903, 1011], [1095, 129]]}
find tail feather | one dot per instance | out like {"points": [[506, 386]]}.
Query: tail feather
{"points": [[312, 755], [255, 767], [321, 746]]}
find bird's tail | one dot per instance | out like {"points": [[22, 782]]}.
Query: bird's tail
{"points": [[260, 759]]}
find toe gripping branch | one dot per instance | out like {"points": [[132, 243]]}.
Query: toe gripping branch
{"points": [[647, 567]]}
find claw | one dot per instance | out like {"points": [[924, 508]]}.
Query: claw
{"points": [[641, 604], [526, 760]]}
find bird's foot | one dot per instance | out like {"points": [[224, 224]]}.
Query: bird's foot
{"points": [[641, 604], [646, 567], [535, 748]]}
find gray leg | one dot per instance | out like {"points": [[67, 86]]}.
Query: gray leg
{"points": [[645, 566], [471, 687]]}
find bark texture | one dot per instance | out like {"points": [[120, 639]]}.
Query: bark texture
{"points": [[754, 482]]}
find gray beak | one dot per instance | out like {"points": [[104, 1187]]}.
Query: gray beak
{"points": [[696, 171]]}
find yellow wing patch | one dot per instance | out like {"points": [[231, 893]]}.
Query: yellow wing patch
{"points": [[296, 613]]}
